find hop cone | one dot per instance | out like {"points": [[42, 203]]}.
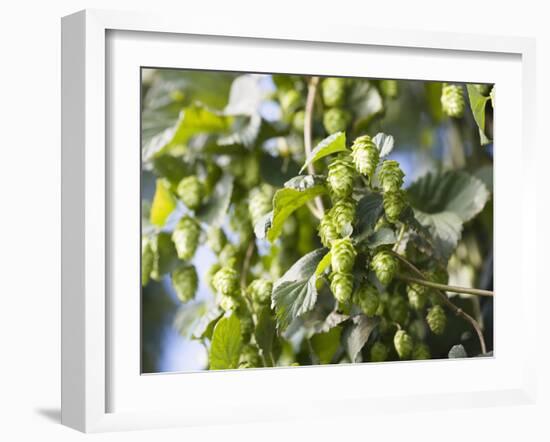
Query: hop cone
{"points": [[343, 255], [366, 297], [403, 344], [365, 155], [216, 239], [186, 237], [343, 214], [185, 282], [328, 230], [394, 203], [418, 295], [341, 286], [228, 303], [250, 357], [340, 177], [226, 281], [452, 100], [420, 352], [209, 275], [245, 318], [191, 191], [260, 291], [390, 176], [333, 91], [398, 310], [228, 256], [384, 266], [378, 352], [336, 119], [437, 320], [259, 203], [147, 260], [290, 100], [389, 88]]}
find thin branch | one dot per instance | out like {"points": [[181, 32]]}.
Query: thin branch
{"points": [[399, 238], [308, 123], [457, 311], [447, 288]]}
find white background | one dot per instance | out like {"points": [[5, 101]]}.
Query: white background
{"points": [[30, 216]]}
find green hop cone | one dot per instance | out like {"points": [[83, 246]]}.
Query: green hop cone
{"points": [[365, 155], [340, 177], [259, 203], [260, 290], [336, 119], [226, 281], [343, 214], [378, 352], [250, 357], [298, 121], [437, 320], [384, 266], [403, 344], [343, 255], [209, 275], [247, 324], [186, 237], [147, 260], [333, 91], [216, 239], [185, 282], [398, 310], [342, 286], [328, 230], [389, 88], [452, 100], [418, 295], [390, 176], [229, 255], [421, 352], [289, 100], [394, 203], [191, 191], [228, 303], [366, 297]]}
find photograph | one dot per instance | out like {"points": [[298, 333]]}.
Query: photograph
{"points": [[293, 220]]}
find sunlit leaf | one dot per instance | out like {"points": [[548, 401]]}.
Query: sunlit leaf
{"points": [[226, 344], [163, 203], [332, 144]]}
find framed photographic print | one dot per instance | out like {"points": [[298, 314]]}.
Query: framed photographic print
{"points": [[280, 224]]}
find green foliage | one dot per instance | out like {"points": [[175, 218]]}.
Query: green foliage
{"points": [[163, 204], [225, 350]]}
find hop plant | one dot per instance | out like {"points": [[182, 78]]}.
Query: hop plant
{"points": [[417, 295], [185, 282], [228, 303], [216, 239], [452, 100], [333, 91], [366, 297], [328, 230], [390, 176], [209, 275], [147, 260], [186, 237], [240, 220], [365, 155], [403, 344], [420, 352], [226, 281], [259, 203], [245, 318], [394, 203], [398, 310], [343, 214], [191, 191], [340, 177], [260, 290], [229, 255], [437, 320], [389, 88], [384, 266], [341, 286], [290, 100], [250, 357], [378, 352], [336, 119], [343, 255]]}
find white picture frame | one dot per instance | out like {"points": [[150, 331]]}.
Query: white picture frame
{"points": [[93, 364]]}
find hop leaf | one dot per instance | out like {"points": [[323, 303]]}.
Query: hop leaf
{"points": [[260, 291], [333, 91], [452, 100], [259, 203], [378, 352], [186, 237], [341, 286], [437, 320], [403, 344], [191, 191], [389, 88], [340, 177], [394, 203], [366, 297], [365, 155], [216, 239], [336, 119], [384, 266], [390, 176], [328, 230], [417, 295], [343, 214], [398, 310], [420, 352], [343, 255], [226, 281], [185, 282]]}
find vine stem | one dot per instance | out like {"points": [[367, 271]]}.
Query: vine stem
{"points": [[457, 311], [445, 287], [308, 124]]}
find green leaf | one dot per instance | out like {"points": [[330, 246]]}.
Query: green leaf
{"points": [[369, 210], [478, 103], [165, 258], [277, 170], [381, 237], [325, 345], [384, 143], [357, 334], [323, 264], [163, 203], [332, 144], [192, 319], [215, 209], [226, 344], [445, 229], [295, 293], [287, 200], [365, 102], [457, 351], [245, 96], [265, 333]]}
